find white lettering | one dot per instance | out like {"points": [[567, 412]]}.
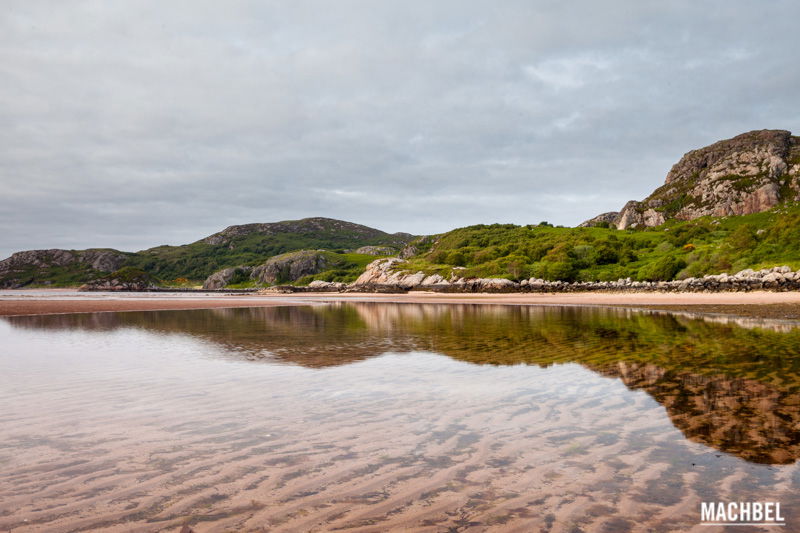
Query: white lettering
{"points": [[768, 511], [720, 513], [758, 512], [744, 511], [706, 511], [741, 513], [733, 516]]}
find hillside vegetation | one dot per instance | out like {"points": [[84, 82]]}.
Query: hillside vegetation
{"points": [[188, 265], [251, 244], [675, 250]]}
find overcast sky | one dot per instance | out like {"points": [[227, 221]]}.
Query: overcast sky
{"points": [[130, 124]]}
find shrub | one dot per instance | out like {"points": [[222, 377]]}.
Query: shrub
{"points": [[742, 238], [606, 254], [663, 269]]}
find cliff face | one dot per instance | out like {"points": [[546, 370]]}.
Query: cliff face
{"points": [[747, 174]]}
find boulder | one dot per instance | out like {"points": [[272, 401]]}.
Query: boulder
{"points": [[290, 267], [319, 285], [222, 278]]}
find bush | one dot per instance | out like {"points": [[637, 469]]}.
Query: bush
{"points": [[663, 269], [606, 254], [557, 271], [742, 238]]}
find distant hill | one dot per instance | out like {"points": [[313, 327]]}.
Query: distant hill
{"points": [[248, 244], [750, 173]]}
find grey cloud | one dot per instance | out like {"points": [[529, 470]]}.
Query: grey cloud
{"points": [[133, 124]]}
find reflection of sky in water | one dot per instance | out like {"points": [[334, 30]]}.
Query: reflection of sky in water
{"points": [[396, 438]]}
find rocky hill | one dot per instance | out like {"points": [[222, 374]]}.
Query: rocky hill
{"points": [[247, 245], [747, 174], [339, 232], [58, 267], [252, 244]]}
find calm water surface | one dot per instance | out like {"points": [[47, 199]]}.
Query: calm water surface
{"points": [[371, 417]]}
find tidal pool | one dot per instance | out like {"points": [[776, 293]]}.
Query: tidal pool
{"points": [[376, 417]]}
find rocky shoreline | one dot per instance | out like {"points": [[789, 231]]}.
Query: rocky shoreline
{"points": [[383, 276]]}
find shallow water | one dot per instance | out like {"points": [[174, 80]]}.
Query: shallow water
{"points": [[369, 417]]}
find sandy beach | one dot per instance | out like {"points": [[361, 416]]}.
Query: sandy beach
{"points": [[765, 304]]}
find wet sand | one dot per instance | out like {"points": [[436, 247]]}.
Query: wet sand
{"points": [[142, 428], [52, 307], [760, 304]]}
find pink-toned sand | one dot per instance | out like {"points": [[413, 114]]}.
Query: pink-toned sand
{"points": [[762, 303]]}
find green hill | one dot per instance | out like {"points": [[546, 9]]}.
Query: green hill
{"points": [[190, 264], [677, 249], [251, 244]]}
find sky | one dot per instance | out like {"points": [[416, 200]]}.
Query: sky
{"points": [[131, 124]]}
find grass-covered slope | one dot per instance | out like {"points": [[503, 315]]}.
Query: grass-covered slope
{"points": [[677, 249], [190, 264], [252, 244]]}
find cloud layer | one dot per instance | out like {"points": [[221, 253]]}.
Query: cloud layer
{"points": [[133, 124]]}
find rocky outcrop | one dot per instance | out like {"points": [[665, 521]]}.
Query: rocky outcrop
{"points": [[222, 278], [749, 173], [124, 279], [376, 250], [290, 267], [389, 273], [603, 219], [32, 266], [284, 268], [416, 246]]}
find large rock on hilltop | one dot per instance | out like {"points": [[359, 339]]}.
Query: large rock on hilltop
{"points": [[747, 174]]}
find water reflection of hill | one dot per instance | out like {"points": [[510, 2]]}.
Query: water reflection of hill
{"points": [[729, 387]]}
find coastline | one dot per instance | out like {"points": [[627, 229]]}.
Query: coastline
{"points": [[756, 304]]}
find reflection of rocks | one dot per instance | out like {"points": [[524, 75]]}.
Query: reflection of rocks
{"points": [[736, 395], [738, 416]]}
